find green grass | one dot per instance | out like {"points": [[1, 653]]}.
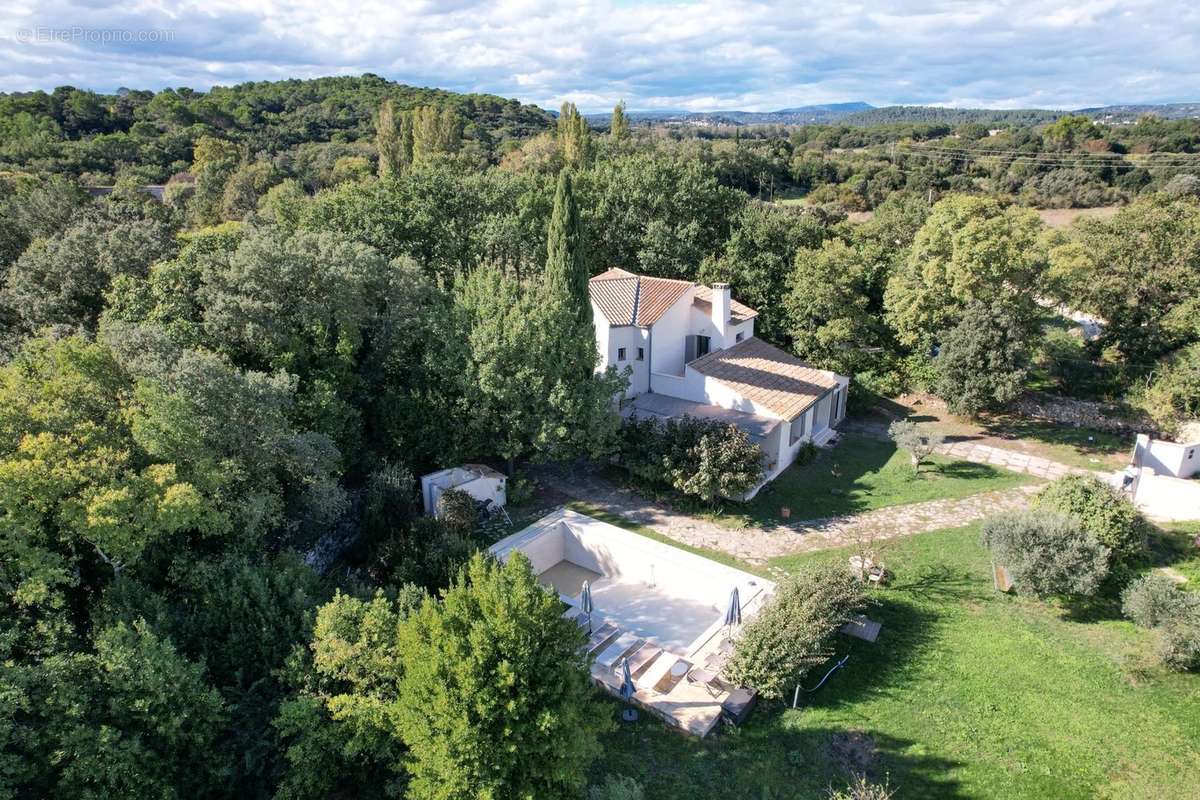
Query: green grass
{"points": [[1080, 447], [1174, 546], [862, 474], [967, 693]]}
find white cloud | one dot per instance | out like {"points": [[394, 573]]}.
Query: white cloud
{"points": [[720, 54]]}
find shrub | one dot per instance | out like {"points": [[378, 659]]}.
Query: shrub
{"points": [[920, 444], [1046, 552], [791, 634], [1173, 395], [456, 510], [702, 458], [387, 502], [1182, 186], [1154, 600], [1112, 519], [1180, 647], [427, 554], [862, 789], [617, 788]]}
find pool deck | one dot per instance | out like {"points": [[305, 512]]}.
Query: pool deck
{"points": [[656, 619]]}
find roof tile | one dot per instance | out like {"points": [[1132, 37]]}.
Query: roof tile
{"points": [[767, 375]]}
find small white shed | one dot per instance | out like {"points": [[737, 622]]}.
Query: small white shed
{"points": [[1176, 459], [478, 480]]}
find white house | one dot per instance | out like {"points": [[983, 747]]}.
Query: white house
{"points": [[692, 351]]}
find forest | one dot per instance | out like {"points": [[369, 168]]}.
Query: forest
{"points": [[348, 283]]}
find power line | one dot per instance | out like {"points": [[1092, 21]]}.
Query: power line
{"points": [[1175, 160]]}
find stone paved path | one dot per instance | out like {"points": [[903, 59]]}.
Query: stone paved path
{"points": [[1009, 459], [757, 545]]}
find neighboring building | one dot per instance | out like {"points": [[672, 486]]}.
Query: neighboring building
{"points": [[1161, 476], [691, 350], [478, 480]]}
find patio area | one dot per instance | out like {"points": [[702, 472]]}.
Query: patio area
{"points": [[660, 607]]}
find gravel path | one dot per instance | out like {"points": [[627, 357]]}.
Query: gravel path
{"points": [[757, 545]]}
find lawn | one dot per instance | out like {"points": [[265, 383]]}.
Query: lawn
{"points": [[967, 693], [1078, 446], [1174, 546], [860, 474]]}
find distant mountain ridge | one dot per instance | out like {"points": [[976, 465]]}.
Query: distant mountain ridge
{"points": [[865, 114]]}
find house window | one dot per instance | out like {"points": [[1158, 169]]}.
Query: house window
{"points": [[796, 432], [641, 354], [740, 335], [620, 354], [1191, 454]]}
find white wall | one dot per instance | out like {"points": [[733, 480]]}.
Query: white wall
{"points": [[702, 324], [544, 548], [667, 336], [631, 338], [600, 323], [1169, 458]]}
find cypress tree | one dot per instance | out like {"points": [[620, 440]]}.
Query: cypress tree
{"points": [[566, 276]]}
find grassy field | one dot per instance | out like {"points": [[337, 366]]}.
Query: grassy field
{"points": [[862, 474], [967, 693]]}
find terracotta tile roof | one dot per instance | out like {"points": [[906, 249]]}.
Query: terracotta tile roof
{"points": [[738, 312], [767, 375], [628, 299]]}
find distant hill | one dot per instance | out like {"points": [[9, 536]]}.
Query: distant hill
{"points": [[800, 115], [864, 115], [1130, 113]]}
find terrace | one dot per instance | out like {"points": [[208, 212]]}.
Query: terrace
{"points": [[660, 607]]}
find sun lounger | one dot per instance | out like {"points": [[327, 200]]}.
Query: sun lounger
{"points": [[640, 659], [617, 649], [657, 671], [576, 614], [601, 635]]}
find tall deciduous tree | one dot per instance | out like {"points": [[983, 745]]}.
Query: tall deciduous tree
{"points": [[619, 127], [1140, 272], [574, 136], [756, 261], [970, 249], [393, 140]]}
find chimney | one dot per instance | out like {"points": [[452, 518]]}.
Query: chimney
{"points": [[720, 306]]}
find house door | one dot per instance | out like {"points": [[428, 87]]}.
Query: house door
{"points": [[834, 401]]}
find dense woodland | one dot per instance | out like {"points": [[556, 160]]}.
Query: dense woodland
{"points": [[351, 282]]}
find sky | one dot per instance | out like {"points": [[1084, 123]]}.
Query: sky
{"points": [[755, 55]]}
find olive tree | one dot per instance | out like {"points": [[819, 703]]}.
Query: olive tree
{"points": [[1048, 553], [919, 443]]}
